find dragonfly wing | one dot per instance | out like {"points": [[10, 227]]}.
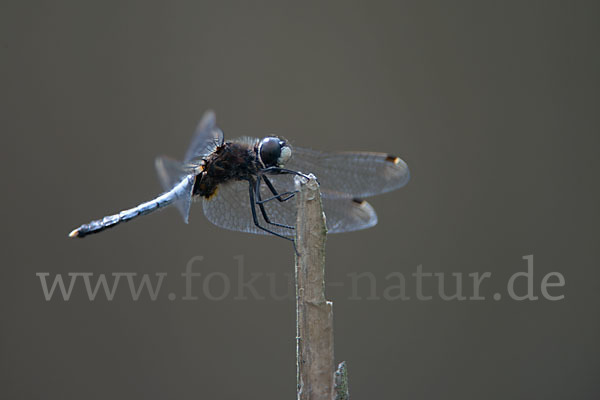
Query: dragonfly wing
{"points": [[206, 139], [351, 174], [343, 213], [170, 173], [346, 215], [230, 208]]}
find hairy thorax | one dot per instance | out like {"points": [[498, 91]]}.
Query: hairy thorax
{"points": [[229, 162]]}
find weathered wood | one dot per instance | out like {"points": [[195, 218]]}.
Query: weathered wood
{"points": [[314, 314], [340, 382]]}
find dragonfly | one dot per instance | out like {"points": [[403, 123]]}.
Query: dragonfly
{"points": [[247, 184]]}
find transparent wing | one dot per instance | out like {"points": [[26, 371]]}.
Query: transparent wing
{"points": [[206, 139], [351, 174], [230, 208], [346, 215], [170, 173]]}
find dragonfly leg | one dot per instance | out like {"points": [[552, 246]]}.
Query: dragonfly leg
{"points": [[279, 196], [262, 207], [285, 171], [255, 218]]}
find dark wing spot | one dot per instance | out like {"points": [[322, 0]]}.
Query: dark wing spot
{"points": [[392, 159]]}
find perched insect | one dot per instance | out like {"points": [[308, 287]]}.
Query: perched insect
{"points": [[246, 184]]}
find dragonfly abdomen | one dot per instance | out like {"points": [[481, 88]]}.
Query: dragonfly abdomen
{"points": [[161, 201]]}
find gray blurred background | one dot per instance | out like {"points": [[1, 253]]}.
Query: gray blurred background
{"points": [[493, 105]]}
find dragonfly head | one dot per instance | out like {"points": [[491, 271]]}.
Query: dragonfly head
{"points": [[273, 152]]}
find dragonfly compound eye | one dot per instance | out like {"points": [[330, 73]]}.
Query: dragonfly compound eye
{"points": [[269, 151]]}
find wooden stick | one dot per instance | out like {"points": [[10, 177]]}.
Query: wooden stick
{"points": [[314, 314], [340, 380]]}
